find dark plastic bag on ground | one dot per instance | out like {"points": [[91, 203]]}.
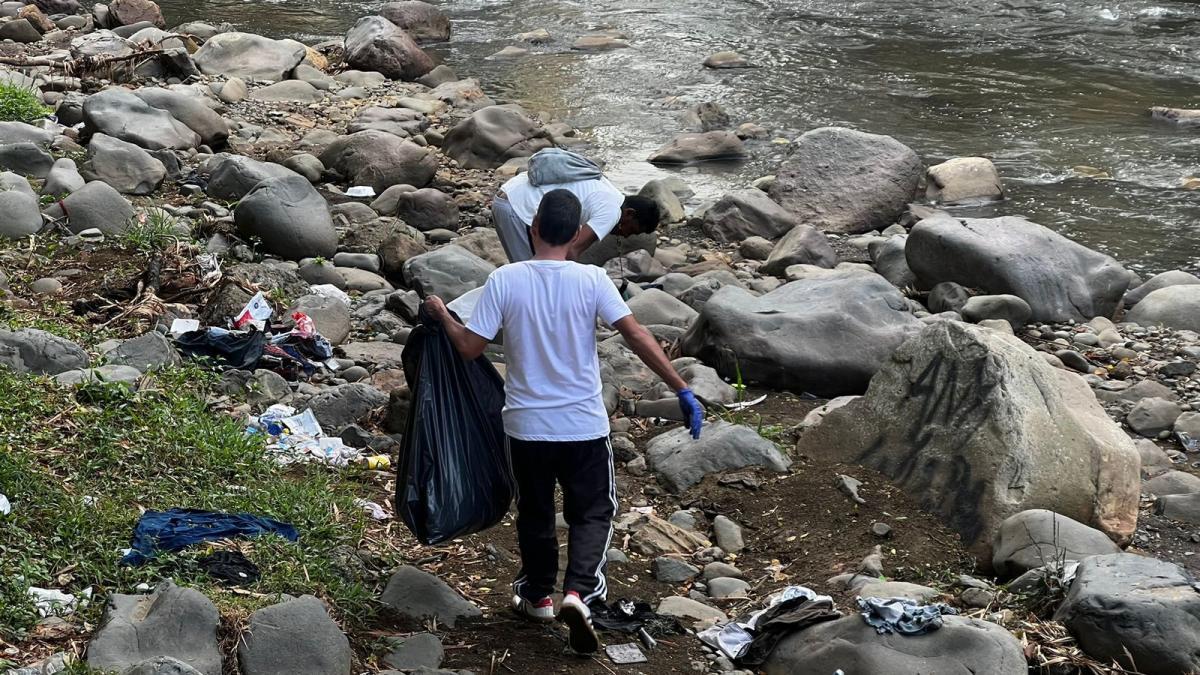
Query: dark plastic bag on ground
{"points": [[453, 476]]}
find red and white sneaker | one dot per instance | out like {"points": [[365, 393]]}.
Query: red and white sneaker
{"points": [[578, 617], [541, 611]]}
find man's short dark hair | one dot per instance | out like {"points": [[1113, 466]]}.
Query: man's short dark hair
{"points": [[645, 212], [558, 217]]}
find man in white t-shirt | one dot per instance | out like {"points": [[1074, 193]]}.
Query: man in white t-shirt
{"points": [[554, 416], [605, 209]]}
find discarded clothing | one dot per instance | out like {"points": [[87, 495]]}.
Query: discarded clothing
{"points": [[179, 528], [628, 616], [237, 350], [555, 165], [779, 621], [231, 568], [903, 616]]}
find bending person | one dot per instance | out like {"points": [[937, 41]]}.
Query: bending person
{"points": [[604, 208]]}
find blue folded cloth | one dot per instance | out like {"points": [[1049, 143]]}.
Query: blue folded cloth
{"points": [[179, 528]]}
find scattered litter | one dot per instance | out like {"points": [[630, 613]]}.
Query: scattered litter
{"points": [[731, 639], [231, 568], [742, 405], [179, 528], [634, 618], [1189, 444], [256, 312], [299, 439], [330, 291], [89, 500], [903, 616], [51, 602], [181, 326], [5, 507], [210, 268], [625, 654], [375, 510], [377, 462], [360, 191], [849, 486]]}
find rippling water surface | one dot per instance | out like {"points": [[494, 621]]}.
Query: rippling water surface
{"points": [[1039, 87]]}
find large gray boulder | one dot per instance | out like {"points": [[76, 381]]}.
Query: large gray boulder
{"points": [[211, 127], [29, 350], [19, 132], [802, 245], [1175, 307], [841, 180], [417, 596], [296, 636], [289, 216], [848, 644], [976, 426], [447, 272], [1141, 612], [656, 307], [232, 176], [63, 178], [889, 261], [1060, 279], [682, 461], [699, 147], [151, 351], [493, 135], [171, 621], [1163, 280], [826, 335], [1031, 539], [380, 160], [374, 43], [96, 205], [22, 215], [249, 57], [428, 209], [400, 122], [423, 21], [338, 407], [27, 159], [963, 180], [125, 166], [121, 114], [746, 213]]}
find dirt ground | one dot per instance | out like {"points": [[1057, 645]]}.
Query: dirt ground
{"points": [[799, 529]]}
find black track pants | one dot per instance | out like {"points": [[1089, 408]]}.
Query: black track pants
{"points": [[584, 469]]}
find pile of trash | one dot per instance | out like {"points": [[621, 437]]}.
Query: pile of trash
{"points": [[251, 341], [293, 438]]}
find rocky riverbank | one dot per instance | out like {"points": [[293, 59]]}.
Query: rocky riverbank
{"points": [[903, 403]]}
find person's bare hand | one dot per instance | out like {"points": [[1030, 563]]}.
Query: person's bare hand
{"points": [[436, 309]]}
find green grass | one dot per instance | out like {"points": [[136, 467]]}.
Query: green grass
{"points": [[154, 232], [20, 104], [155, 449]]}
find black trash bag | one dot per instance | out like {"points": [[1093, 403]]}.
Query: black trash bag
{"points": [[453, 477]]}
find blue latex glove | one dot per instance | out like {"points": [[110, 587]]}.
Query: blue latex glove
{"points": [[693, 414]]}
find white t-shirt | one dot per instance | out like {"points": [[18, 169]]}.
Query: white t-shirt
{"points": [[600, 199], [547, 310]]}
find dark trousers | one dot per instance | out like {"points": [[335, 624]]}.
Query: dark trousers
{"points": [[584, 469]]}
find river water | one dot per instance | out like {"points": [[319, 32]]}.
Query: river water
{"points": [[1038, 87]]}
